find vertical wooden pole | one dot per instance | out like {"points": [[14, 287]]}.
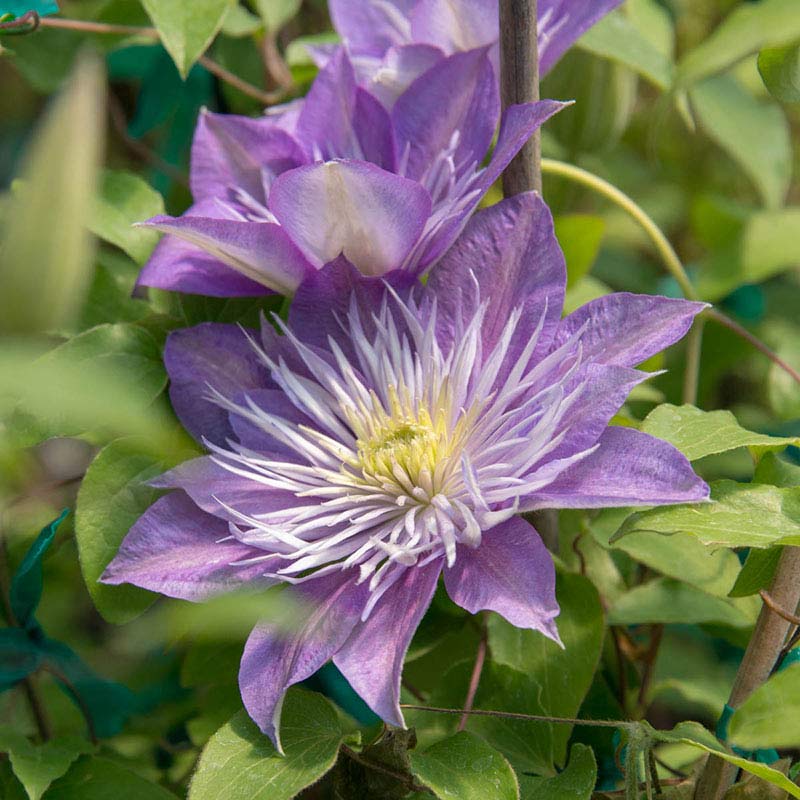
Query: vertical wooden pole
{"points": [[519, 82]]}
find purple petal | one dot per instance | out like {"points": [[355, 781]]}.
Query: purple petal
{"points": [[511, 250], [209, 355], [455, 100], [373, 129], [276, 658], [276, 402], [563, 22], [627, 329], [369, 215], [178, 550], [372, 27], [510, 572], [455, 25], [232, 151], [629, 468], [372, 658], [400, 67], [261, 251], [209, 486]]}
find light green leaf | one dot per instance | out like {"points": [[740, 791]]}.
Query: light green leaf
{"points": [[564, 675], [276, 13], [747, 29], [297, 54], [770, 717], [781, 387], [777, 472], [664, 600], [694, 734], [240, 763], [101, 779], [186, 29], [780, 71], [580, 237], [465, 767], [46, 252], [769, 245], [741, 515], [240, 22], [654, 22], [699, 433], [615, 37], [754, 133], [586, 289], [113, 495], [123, 200], [37, 766], [576, 782], [757, 572]]}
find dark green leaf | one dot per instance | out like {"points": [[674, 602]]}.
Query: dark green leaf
{"points": [[757, 572], [26, 585], [465, 767], [19, 657], [20, 7], [780, 71], [576, 782], [240, 763], [100, 779]]}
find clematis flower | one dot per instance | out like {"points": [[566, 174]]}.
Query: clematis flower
{"points": [[393, 434], [278, 197], [393, 42]]}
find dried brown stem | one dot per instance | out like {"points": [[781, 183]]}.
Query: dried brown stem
{"points": [[781, 612]]}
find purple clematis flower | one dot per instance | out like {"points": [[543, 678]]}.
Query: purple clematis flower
{"points": [[278, 197], [393, 42], [393, 434]]}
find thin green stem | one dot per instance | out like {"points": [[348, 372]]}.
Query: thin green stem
{"points": [[608, 190], [691, 375]]}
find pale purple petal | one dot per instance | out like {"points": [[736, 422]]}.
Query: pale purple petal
{"points": [[372, 126], [629, 468], [179, 266], [230, 151], [458, 97], [456, 24], [178, 550], [627, 329], [511, 251], [372, 27], [276, 658], [353, 208], [260, 251], [210, 355], [389, 77], [372, 658], [511, 573], [563, 22]]}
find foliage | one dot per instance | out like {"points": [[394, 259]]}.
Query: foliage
{"points": [[692, 109]]}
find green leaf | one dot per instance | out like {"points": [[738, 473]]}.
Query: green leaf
{"points": [[465, 767], [780, 70], [37, 766], [754, 133], [276, 13], [757, 572], [240, 22], [740, 516], [45, 252], [747, 29], [240, 763], [768, 246], [125, 199], [186, 29], [694, 734], [699, 433], [92, 778], [580, 237], [113, 495], [26, 585], [576, 782], [777, 472], [782, 388], [770, 717], [664, 600], [564, 675], [19, 657], [615, 37]]}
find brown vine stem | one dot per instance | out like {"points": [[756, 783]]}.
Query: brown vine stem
{"points": [[762, 652], [519, 83], [482, 712], [86, 26], [781, 612], [475, 677], [405, 779]]}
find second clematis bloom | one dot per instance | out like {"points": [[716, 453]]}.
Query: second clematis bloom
{"points": [[393, 434]]}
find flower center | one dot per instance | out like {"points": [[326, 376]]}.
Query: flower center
{"points": [[408, 444]]}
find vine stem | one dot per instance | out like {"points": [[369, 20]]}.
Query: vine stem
{"points": [[475, 677], [762, 652], [215, 68]]}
